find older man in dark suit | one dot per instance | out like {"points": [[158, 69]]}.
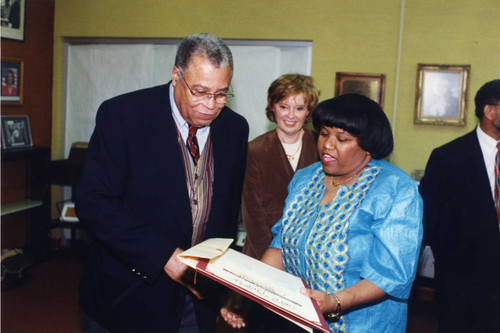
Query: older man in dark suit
{"points": [[164, 171], [461, 222]]}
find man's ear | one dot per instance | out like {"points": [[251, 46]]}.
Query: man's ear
{"points": [[489, 112], [175, 76]]}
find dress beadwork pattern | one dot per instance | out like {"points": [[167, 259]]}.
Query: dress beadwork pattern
{"points": [[326, 249]]}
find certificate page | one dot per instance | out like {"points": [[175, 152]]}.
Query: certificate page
{"points": [[275, 289], [264, 282]]}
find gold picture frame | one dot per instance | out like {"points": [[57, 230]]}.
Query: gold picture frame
{"points": [[369, 85], [441, 94]]}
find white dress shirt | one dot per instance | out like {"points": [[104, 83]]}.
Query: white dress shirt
{"points": [[489, 148]]}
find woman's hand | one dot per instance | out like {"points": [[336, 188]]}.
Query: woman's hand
{"points": [[325, 302], [231, 318], [360, 293]]}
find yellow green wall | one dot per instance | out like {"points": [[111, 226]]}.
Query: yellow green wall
{"points": [[348, 36]]}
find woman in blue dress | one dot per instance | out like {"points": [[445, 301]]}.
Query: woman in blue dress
{"points": [[352, 223]]}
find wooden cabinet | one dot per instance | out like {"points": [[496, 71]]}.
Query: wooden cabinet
{"points": [[30, 167]]}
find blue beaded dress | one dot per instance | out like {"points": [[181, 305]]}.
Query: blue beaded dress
{"points": [[372, 230]]}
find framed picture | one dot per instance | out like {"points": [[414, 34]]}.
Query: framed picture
{"points": [[369, 85], [13, 19], [441, 97], [12, 81], [16, 132]]}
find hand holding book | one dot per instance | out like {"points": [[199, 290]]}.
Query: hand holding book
{"points": [[275, 289]]}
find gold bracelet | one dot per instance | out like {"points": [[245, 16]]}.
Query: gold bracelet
{"points": [[336, 314]]}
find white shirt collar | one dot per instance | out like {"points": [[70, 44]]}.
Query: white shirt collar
{"points": [[488, 147], [182, 124], [485, 139]]}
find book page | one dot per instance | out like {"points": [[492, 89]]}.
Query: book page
{"points": [[273, 288], [264, 281]]}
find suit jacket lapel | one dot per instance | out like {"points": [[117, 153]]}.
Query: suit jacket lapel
{"points": [[219, 149], [474, 171], [279, 151], [482, 186], [477, 167], [168, 160]]}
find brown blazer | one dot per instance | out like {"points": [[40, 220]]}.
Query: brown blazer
{"points": [[267, 176]]}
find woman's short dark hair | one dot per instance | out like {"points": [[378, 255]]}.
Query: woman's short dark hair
{"points": [[362, 118]]}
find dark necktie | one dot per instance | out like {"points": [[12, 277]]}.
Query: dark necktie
{"points": [[497, 181], [192, 144]]}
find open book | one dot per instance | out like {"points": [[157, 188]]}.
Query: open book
{"points": [[274, 289]]}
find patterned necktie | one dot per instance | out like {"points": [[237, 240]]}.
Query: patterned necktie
{"points": [[192, 144], [497, 181]]}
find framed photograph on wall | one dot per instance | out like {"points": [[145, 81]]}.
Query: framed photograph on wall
{"points": [[12, 81], [16, 132], [369, 85], [441, 96], [13, 19]]}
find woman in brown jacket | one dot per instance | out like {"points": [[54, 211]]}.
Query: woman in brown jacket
{"points": [[274, 157]]}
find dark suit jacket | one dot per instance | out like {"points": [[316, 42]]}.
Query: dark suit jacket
{"points": [[133, 198], [460, 220], [265, 188]]}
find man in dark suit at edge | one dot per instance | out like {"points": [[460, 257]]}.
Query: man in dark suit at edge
{"points": [[164, 171], [461, 222]]}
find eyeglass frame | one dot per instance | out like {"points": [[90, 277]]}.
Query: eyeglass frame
{"points": [[206, 96]]}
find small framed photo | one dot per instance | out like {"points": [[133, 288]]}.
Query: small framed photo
{"points": [[369, 85], [13, 13], [12, 81], [16, 132], [441, 97]]}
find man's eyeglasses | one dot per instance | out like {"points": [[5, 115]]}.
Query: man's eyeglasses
{"points": [[202, 96]]}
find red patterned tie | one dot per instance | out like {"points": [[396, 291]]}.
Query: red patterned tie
{"points": [[497, 181], [192, 144]]}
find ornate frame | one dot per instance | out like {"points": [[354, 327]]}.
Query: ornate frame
{"points": [[441, 95]]}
